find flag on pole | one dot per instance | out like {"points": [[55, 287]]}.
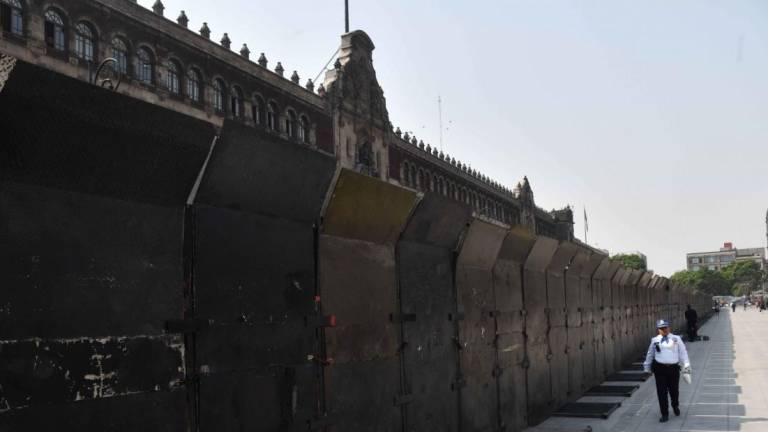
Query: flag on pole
{"points": [[586, 224]]}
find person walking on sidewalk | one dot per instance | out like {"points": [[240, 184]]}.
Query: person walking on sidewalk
{"points": [[665, 354]]}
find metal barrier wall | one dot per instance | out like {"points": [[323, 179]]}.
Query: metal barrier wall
{"points": [[428, 353], [477, 327], [511, 327], [574, 304], [557, 337], [540, 396], [91, 216], [591, 322], [153, 281], [358, 284], [253, 234]]}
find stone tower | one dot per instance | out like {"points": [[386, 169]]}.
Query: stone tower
{"points": [[524, 194], [359, 108]]}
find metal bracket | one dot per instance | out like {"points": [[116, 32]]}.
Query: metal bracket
{"points": [[322, 422], [189, 325], [402, 317], [320, 321], [458, 383], [403, 399]]}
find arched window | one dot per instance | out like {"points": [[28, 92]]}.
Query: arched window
{"points": [[290, 124], [218, 95], [421, 180], [236, 102], [145, 66], [304, 129], [413, 176], [84, 41], [193, 85], [120, 53], [257, 110], [55, 31], [272, 116], [173, 77], [12, 17], [405, 174]]}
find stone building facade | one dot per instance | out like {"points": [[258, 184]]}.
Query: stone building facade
{"points": [[148, 56]]}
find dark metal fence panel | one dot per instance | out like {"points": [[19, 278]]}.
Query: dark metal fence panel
{"points": [[574, 296], [602, 278], [591, 322], [557, 310], [358, 281], [477, 328], [91, 216], [540, 398], [254, 283], [425, 262], [510, 327]]}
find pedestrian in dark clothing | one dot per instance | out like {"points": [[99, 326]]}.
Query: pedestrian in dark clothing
{"points": [[692, 319], [733, 306]]}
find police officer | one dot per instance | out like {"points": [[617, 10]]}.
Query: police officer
{"points": [[665, 354]]}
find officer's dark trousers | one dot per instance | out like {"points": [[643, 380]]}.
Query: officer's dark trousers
{"points": [[667, 382]]}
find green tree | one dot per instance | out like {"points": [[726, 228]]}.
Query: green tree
{"points": [[745, 276], [631, 261], [708, 281]]}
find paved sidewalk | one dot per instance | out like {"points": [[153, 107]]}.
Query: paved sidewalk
{"points": [[729, 391]]}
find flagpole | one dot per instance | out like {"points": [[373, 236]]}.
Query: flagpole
{"points": [[586, 225], [346, 16]]}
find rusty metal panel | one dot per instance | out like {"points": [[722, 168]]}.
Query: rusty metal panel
{"points": [[367, 209], [428, 306], [510, 327], [477, 330], [540, 397], [358, 286], [358, 282]]}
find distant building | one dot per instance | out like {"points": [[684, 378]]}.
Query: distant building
{"points": [[728, 254]]}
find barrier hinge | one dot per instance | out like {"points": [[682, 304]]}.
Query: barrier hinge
{"points": [[188, 325]]}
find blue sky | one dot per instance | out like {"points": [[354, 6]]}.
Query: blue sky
{"points": [[649, 113]]}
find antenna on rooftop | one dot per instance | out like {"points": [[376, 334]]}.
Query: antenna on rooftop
{"points": [[440, 119]]}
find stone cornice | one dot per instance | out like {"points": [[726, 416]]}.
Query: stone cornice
{"points": [[183, 35]]}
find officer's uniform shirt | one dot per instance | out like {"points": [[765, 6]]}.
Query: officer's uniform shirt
{"points": [[672, 351]]}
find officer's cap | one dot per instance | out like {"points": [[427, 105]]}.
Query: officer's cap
{"points": [[661, 323]]}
